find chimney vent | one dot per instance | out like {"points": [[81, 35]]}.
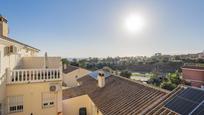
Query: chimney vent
{"points": [[101, 79]]}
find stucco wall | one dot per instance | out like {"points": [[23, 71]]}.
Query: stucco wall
{"points": [[196, 77], [38, 62], [6, 61], [10, 61], [71, 106], [32, 98], [70, 78]]}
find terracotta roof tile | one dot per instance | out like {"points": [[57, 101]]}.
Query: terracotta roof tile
{"points": [[119, 96]]}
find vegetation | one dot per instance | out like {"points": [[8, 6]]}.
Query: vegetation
{"points": [[168, 85], [65, 61], [164, 69], [126, 74], [157, 62], [74, 62], [169, 82]]}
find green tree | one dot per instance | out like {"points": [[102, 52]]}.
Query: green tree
{"points": [[126, 74], [82, 63], [174, 78], [168, 85], [65, 61], [154, 79], [74, 62]]}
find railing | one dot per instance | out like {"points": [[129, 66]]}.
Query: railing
{"points": [[33, 75]]}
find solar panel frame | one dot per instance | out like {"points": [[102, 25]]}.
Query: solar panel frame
{"points": [[199, 110], [186, 101]]}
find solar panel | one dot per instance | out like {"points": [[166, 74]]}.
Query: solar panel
{"points": [[199, 110], [186, 101], [95, 74]]}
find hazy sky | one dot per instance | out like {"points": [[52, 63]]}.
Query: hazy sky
{"points": [[87, 28]]}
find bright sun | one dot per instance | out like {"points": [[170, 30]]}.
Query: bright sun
{"points": [[134, 23]]}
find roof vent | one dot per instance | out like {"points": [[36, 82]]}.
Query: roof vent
{"points": [[101, 79]]}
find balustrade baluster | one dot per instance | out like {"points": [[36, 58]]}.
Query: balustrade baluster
{"points": [[30, 75]]}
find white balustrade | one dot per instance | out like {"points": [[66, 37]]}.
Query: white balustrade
{"points": [[34, 75]]}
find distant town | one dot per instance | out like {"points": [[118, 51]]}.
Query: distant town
{"points": [[155, 70]]}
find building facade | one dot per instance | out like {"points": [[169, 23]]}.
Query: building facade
{"points": [[193, 75], [29, 84]]}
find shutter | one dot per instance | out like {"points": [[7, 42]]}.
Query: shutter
{"points": [[11, 49], [15, 50], [6, 51]]}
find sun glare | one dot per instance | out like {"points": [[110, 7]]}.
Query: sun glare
{"points": [[134, 23]]}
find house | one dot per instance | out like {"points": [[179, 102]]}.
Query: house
{"points": [[201, 55], [71, 74], [114, 95], [29, 84], [193, 75], [101, 93]]}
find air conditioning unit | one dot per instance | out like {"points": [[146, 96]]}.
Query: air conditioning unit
{"points": [[54, 87]]}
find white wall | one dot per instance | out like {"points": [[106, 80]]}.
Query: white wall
{"points": [[9, 61], [38, 62]]}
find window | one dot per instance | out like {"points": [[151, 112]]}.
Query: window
{"points": [[8, 50], [1, 109], [15, 104], [82, 111], [11, 49], [48, 100]]}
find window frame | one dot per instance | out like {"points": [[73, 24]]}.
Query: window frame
{"points": [[15, 103], [48, 100]]}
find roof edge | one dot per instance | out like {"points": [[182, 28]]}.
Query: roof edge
{"points": [[15, 41]]}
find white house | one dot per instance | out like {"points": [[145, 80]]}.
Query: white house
{"points": [[29, 85]]}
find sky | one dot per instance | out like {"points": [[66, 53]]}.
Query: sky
{"points": [[96, 28]]}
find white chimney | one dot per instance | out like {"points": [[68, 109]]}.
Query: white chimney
{"points": [[64, 66], [101, 79]]}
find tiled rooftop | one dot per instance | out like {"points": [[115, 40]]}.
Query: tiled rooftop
{"points": [[70, 68], [120, 96]]}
